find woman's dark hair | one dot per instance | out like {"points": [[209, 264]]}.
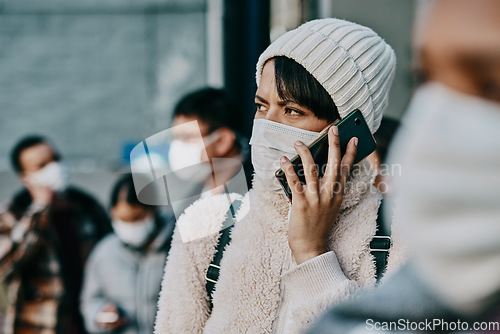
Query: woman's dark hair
{"points": [[296, 84], [124, 190]]}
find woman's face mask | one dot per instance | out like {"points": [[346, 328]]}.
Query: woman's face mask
{"points": [[136, 233], [278, 124], [270, 141]]}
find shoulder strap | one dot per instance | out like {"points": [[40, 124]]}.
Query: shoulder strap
{"points": [[380, 245], [379, 248], [212, 274]]}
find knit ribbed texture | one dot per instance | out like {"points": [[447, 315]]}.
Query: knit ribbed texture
{"points": [[353, 64], [322, 273]]}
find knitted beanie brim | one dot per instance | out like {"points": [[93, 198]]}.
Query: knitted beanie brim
{"points": [[354, 65]]}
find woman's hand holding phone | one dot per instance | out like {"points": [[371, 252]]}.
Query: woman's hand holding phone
{"points": [[315, 205]]}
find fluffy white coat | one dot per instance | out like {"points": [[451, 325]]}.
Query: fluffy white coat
{"points": [[247, 294]]}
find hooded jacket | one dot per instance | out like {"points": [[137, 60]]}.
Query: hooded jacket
{"points": [[252, 288]]}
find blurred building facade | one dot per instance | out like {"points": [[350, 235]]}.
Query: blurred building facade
{"points": [[79, 71], [392, 20], [97, 77]]}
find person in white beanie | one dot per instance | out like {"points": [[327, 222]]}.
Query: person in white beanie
{"points": [[286, 263]]}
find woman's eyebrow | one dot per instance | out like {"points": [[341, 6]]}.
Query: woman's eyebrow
{"points": [[261, 99], [287, 102], [280, 102]]}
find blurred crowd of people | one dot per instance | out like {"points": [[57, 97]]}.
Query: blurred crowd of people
{"points": [[71, 266], [243, 257]]}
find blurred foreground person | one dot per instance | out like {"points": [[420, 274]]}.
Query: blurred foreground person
{"points": [[449, 193], [286, 262], [46, 235], [124, 271]]}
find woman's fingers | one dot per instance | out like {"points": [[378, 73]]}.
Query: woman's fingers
{"points": [[347, 161], [336, 173], [309, 168], [291, 177], [332, 171]]}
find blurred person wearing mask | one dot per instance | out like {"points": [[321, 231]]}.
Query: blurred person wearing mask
{"points": [[448, 195], [286, 261], [46, 235], [211, 113], [124, 271]]}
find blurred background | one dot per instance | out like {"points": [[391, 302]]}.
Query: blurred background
{"points": [[98, 76]]}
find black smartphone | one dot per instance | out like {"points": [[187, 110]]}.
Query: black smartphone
{"points": [[353, 125]]}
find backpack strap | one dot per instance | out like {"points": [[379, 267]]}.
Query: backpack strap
{"points": [[379, 248], [380, 245], [212, 273]]}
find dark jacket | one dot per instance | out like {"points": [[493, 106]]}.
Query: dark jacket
{"points": [[42, 257]]}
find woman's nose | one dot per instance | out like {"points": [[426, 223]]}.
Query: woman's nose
{"points": [[273, 114]]}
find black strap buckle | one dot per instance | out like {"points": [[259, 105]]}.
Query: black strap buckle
{"points": [[380, 244], [216, 274]]}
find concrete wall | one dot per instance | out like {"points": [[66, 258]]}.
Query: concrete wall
{"points": [[95, 76]]}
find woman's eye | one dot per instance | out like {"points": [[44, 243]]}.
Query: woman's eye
{"points": [[293, 112], [260, 107]]}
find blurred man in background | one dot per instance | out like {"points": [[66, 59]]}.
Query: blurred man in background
{"points": [[449, 193], [46, 235], [207, 145]]}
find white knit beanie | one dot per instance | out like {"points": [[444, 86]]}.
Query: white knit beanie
{"points": [[351, 62]]}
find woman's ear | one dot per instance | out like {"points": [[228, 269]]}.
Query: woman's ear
{"points": [[225, 143]]}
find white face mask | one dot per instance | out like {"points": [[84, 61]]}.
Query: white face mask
{"points": [[270, 141], [134, 234], [185, 158], [448, 193], [54, 175]]}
